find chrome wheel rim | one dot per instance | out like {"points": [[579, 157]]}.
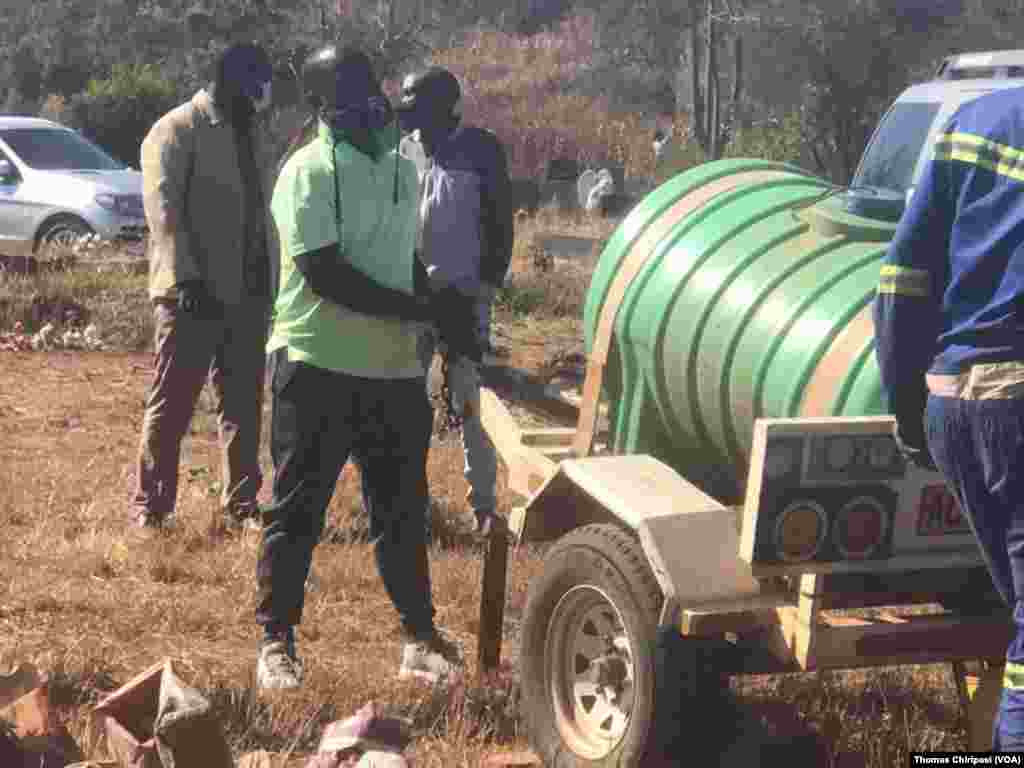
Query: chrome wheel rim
{"points": [[590, 672]]}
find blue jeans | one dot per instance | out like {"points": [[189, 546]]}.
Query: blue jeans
{"points": [[481, 459], [320, 420], [483, 312], [978, 446]]}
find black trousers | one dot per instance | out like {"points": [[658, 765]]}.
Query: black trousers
{"points": [[320, 419]]}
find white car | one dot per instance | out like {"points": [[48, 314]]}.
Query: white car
{"points": [[56, 186]]}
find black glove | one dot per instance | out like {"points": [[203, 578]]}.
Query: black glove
{"points": [[193, 298], [455, 316], [910, 439]]}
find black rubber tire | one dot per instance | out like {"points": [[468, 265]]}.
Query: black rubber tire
{"points": [[61, 225], [612, 560]]}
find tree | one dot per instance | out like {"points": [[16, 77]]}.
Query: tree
{"points": [[717, 25], [858, 59], [118, 112], [693, 44]]}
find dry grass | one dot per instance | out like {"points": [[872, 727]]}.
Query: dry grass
{"points": [[84, 599], [116, 302]]}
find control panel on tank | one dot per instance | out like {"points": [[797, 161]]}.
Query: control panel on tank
{"points": [[835, 494]]}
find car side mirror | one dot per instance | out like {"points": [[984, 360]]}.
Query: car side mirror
{"points": [[7, 171]]}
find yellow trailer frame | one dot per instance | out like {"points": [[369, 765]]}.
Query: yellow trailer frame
{"points": [[781, 623]]}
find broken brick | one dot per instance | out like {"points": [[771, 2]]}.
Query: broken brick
{"points": [[522, 759]]}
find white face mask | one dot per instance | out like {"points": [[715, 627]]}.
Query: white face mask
{"points": [[263, 102]]}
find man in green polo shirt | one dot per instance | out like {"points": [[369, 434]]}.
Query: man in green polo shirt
{"points": [[347, 380]]}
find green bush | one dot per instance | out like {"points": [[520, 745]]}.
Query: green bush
{"points": [[118, 112], [777, 140], [681, 155], [520, 298]]}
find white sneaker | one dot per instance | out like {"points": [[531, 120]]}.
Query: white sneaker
{"points": [[150, 524], [488, 521], [433, 659], [276, 668]]}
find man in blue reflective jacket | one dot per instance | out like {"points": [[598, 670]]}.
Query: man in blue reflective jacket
{"points": [[949, 323]]}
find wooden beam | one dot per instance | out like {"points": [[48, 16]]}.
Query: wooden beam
{"points": [[900, 563], [558, 436], [925, 637], [492, 600], [738, 617], [844, 642], [530, 392], [528, 468], [805, 620]]}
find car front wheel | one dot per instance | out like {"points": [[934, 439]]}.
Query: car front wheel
{"points": [[60, 237]]}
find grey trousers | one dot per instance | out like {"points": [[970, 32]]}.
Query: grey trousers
{"points": [[226, 348]]}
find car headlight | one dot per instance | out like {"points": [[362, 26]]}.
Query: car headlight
{"points": [[125, 205], [106, 200]]}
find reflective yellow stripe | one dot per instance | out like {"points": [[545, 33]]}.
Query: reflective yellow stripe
{"points": [[1013, 676], [904, 281], [957, 137], [991, 155]]}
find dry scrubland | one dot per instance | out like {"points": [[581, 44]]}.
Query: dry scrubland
{"points": [[518, 88], [82, 598]]}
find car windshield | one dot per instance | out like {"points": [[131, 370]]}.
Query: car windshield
{"points": [[57, 149], [889, 160]]}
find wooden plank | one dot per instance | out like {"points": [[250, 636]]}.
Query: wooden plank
{"points": [[854, 642], [891, 618], [737, 616], [529, 391], [910, 562], [935, 640], [499, 425], [556, 452], [845, 621], [697, 624], [919, 640], [557, 436], [587, 424], [492, 600], [805, 620], [844, 591], [575, 397], [528, 469]]}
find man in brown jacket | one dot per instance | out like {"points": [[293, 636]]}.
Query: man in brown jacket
{"points": [[210, 280]]}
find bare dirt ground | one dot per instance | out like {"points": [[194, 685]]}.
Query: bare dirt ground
{"points": [[83, 598]]}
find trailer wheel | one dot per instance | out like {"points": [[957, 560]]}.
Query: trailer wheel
{"points": [[587, 658]]}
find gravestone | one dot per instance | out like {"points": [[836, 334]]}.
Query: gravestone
{"points": [[560, 183]]}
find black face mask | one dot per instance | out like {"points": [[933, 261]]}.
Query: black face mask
{"points": [[433, 126], [410, 121]]}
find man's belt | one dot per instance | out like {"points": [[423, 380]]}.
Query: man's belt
{"points": [[985, 381]]}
